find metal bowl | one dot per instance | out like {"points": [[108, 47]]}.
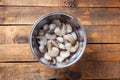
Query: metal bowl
{"points": [[64, 17]]}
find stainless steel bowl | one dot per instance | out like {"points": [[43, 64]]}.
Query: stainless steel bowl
{"points": [[64, 17]]}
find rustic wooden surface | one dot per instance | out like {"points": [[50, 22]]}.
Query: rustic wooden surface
{"points": [[101, 59], [87, 16], [78, 3]]}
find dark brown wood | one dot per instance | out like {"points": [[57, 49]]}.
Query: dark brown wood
{"points": [[80, 70], [103, 34], [78, 3], [87, 16], [98, 3], [95, 70], [102, 52], [101, 59], [26, 71], [14, 34], [15, 52], [95, 34], [93, 52]]}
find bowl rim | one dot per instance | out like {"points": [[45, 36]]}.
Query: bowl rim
{"points": [[72, 17]]}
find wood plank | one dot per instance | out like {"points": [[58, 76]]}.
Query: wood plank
{"points": [[95, 34], [98, 3], [93, 52], [14, 34], [81, 70], [95, 70], [87, 16], [78, 3], [102, 52], [14, 52], [103, 34], [27, 71]]}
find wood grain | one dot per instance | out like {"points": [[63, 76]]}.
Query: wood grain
{"points": [[95, 34], [100, 61], [78, 3], [27, 71], [93, 52], [15, 52], [14, 34], [36, 71], [102, 52], [95, 70], [87, 16], [103, 34]]}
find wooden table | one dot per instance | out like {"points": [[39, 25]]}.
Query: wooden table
{"points": [[101, 59]]}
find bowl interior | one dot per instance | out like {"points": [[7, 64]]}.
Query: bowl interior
{"points": [[63, 18]]}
